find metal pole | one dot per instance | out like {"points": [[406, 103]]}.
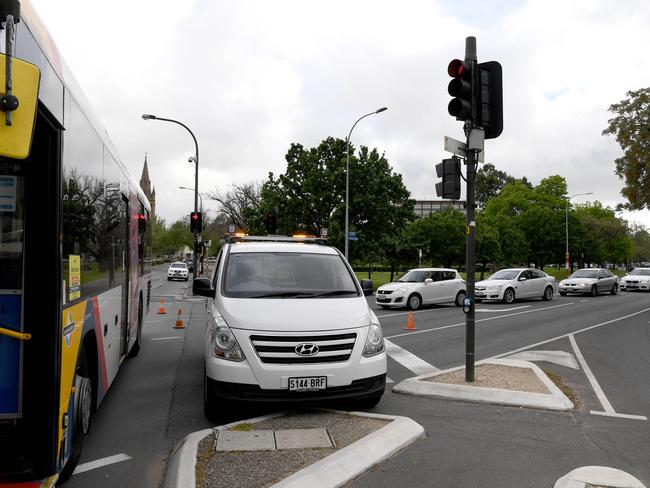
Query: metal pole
{"points": [[566, 222]]}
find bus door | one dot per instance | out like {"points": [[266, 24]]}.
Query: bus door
{"points": [[126, 267]]}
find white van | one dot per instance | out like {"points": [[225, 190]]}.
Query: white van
{"points": [[289, 322]]}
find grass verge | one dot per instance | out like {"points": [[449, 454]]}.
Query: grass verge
{"points": [[563, 387]]}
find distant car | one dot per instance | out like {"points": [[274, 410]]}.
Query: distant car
{"points": [[422, 286], [190, 265], [507, 285], [637, 279], [177, 271], [590, 281]]}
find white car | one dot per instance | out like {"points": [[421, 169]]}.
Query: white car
{"points": [[508, 285], [638, 279], [422, 286], [177, 271], [590, 281], [289, 322]]}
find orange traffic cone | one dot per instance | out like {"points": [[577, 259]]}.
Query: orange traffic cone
{"points": [[161, 309], [410, 325], [179, 320]]}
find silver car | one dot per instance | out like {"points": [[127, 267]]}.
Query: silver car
{"points": [[590, 281], [507, 285]]}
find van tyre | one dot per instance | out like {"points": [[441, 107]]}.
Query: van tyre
{"points": [[82, 415], [509, 296], [548, 294], [460, 298], [414, 301]]}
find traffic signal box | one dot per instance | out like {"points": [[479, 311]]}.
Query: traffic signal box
{"points": [[449, 171], [196, 222]]}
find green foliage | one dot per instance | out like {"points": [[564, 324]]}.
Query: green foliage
{"points": [[631, 127], [441, 236], [490, 181], [641, 242], [605, 238]]}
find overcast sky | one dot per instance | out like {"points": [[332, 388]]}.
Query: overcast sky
{"points": [[251, 77]]}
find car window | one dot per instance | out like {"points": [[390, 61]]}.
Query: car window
{"points": [[415, 276], [448, 275], [528, 274], [286, 275], [539, 274], [436, 275], [640, 271], [179, 265], [585, 273], [505, 274]]}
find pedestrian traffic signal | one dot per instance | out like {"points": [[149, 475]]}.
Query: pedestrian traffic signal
{"points": [[449, 171], [271, 223], [196, 222], [490, 92], [462, 89]]}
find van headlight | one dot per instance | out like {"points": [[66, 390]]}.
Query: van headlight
{"points": [[224, 344], [375, 339]]}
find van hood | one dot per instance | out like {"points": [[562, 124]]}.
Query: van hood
{"points": [[295, 314]]}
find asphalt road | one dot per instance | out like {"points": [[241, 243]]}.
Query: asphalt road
{"points": [[157, 397]]}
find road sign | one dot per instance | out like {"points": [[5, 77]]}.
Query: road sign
{"points": [[231, 229], [207, 242], [459, 148], [352, 236]]}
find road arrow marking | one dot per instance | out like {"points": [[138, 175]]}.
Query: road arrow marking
{"points": [[99, 463], [562, 358]]}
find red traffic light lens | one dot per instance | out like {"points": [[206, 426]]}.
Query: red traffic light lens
{"points": [[456, 68]]}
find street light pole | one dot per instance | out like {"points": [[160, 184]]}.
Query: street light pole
{"points": [[566, 224], [347, 176], [196, 177]]}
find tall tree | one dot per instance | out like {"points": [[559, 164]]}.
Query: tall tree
{"points": [[490, 181], [631, 127], [240, 203]]}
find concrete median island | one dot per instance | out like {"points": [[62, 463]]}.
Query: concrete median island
{"points": [[499, 381]]}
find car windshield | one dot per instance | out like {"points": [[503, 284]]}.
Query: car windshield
{"points": [[638, 271], [585, 273], [414, 276], [505, 274], [287, 275], [179, 265]]}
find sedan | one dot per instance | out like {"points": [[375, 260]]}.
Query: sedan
{"points": [[423, 286], [508, 285], [638, 279], [590, 281], [177, 271]]}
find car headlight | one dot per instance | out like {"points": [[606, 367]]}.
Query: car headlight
{"points": [[584, 284], [375, 340], [224, 344], [494, 287]]}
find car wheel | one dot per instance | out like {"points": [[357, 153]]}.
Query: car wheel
{"points": [[414, 302], [509, 296], [169, 279], [460, 298], [614, 289], [186, 279], [563, 293], [594, 291], [548, 294]]}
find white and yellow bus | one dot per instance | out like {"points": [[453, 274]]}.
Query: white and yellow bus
{"points": [[74, 279]]}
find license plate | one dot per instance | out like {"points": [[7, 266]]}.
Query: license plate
{"points": [[479, 294], [383, 299], [309, 383]]}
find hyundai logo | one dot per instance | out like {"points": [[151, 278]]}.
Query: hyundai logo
{"points": [[306, 349]]}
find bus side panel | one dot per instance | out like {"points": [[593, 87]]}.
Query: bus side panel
{"points": [[106, 313]]}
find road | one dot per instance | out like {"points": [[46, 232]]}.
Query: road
{"points": [[157, 397]]}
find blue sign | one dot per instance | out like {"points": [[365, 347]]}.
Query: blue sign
{"points": [[352, 236]]}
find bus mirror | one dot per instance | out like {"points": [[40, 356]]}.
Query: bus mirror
{"points": [[16, 139]]}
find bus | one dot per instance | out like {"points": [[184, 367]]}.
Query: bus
{"points": [[75, 278]]}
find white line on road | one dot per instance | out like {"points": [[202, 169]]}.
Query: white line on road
{"points": [[388, 380], [562, 358], [479, 320], [590, 376], [165, 338], [501, 309], [406, 313], [99, 463], [408, 360], [619, 415]]}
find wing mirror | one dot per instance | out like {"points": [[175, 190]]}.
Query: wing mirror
{"points": [[428, 281], [366, 286], [203, 288], [523, 278]]}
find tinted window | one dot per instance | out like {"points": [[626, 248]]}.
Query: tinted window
{"points": [[640, 271], [179, 265], [287, 275], [415, 276], [448, 275], [585, 273], [505, 274]]}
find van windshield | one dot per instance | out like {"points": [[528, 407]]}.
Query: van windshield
{"points": [[287, 275]]}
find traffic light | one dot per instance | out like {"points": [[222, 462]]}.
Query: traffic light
{"points": [[462, 89], [490, 107], [271, 223], [198, 248], [196, 222], [449, 171]]}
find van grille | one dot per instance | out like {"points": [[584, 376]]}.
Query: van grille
{"points": [[282, 349]]}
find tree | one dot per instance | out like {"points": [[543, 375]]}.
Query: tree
{"points": [[641, 240], [240, 204], [631, 127], [605, 236], [490, 181], [441, 235]]}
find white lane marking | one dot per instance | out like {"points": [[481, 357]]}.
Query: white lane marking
{"points": [[619, 415], [592, 379], [99, 463], [562, 358], [152, 321], [563, 336], [408, 359], [583, 301], [501, 309], [406, 313], [479, 320], [165, 338], [388, 380]]}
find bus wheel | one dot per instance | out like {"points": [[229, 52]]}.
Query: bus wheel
{"points": [[81, 415]]}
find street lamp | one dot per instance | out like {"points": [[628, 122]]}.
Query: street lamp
{"points": [[566, 223], [196, 174], [192, 189], [347, 176]]}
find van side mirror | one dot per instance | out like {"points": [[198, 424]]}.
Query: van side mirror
{"points": [[203, 288], [366, 286], [427, 281]]}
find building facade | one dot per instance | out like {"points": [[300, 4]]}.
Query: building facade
{"points": [[427, 207]]}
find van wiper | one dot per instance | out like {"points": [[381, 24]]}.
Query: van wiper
{"points": [[334, 293], [284, 294]]}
